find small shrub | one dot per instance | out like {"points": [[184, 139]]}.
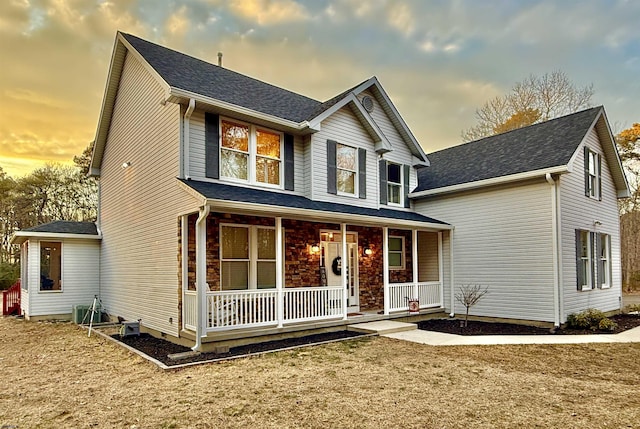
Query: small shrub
{"points": [[590, 319], [607, 325], [632, 308]]}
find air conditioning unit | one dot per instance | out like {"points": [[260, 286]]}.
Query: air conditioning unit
{"points": [[80, 314], [129, 329]]}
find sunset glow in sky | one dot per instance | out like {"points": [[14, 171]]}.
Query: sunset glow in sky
{"points": [[438, 60]]}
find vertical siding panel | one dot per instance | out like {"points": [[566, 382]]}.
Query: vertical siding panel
{"points": [[140, 204]]}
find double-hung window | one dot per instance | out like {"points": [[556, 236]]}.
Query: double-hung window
{"points": [[347, 169], [394, 184], [249, 153], [593, 260], [247, 257], [50, 266], [592, 174], [396, 253]]}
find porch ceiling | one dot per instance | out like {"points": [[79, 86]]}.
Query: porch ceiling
{"points": [[296, 206]]}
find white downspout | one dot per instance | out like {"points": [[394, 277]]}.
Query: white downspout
{"points": [[201, 274], [187, 138], [555, 250], [451, 275]]}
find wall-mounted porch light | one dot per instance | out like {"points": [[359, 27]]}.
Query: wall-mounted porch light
{"points": [[126, 165], [366, 249], [315, 248]]}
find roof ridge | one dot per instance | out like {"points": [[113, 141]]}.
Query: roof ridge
{"points": [[221, 68]]}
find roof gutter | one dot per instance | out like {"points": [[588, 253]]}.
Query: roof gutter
{"points": [[176, 93], [20, 237], [489, 182], [319, 215]]}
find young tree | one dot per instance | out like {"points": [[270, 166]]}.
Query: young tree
{"points": [[535, 99], [469, 296]]}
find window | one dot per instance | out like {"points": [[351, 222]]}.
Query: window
{"points": [[592, 174], [347, 168], [394, 183], [396, 253], [50, 266], [249, 153], [593, 260], [247, 257]]}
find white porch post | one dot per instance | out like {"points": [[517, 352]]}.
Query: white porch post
{"points": [[451, 275], [414, 262], [184, 243], [279, 279], [440, 269], [385, 268], [201, 275], [345, 258]]}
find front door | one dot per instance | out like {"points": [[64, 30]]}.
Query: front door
{"points": [[334, 263]]}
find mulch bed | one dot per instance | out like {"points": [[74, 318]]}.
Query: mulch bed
{"points": [[159, 349], [452, 326]]}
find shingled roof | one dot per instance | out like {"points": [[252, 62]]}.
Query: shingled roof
{"points": [[200, 77], [65, 227], [537, 147], [224, 192]]}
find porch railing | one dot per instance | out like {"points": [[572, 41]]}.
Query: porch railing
{"points": [[11, 299], [189, 307], [259, 308], [428, 295]]}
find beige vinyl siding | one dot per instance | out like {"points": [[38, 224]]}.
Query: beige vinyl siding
{"points": [[345, 128], [400, 153], [197, 160], [579, 212], [503, 240], [80, 277], [428, 266], [140, 204], [446, 271]]}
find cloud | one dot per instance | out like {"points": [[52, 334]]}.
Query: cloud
{"points": [[269, 12]]}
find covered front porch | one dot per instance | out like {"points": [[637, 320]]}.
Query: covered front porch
{"points": [[245, 271]]}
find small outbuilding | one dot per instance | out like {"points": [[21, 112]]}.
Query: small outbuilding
{"points": [[59, 268]]}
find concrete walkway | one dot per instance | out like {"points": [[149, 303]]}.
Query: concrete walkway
{"points": [[409, 332]]}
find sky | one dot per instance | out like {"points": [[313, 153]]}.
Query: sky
{"points": [[438, 60]]}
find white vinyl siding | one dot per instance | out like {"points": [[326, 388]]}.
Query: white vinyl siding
{"points": [[581, 212], [80, 278], [344, 128], [428, 265], [140, 204], [503, 240]]}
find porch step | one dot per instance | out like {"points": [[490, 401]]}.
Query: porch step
{"points": [[382, 327]]}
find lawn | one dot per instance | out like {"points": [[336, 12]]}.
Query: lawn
{"points": [[53, 375]]}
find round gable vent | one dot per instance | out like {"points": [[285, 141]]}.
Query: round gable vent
{"points": [[367, 103]]}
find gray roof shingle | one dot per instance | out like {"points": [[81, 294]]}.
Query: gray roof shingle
{"points": [[197, 76], [221, 191], [536, 147], [66, 227]]}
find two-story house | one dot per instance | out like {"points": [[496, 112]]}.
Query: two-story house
{"points": [[232, 210]]}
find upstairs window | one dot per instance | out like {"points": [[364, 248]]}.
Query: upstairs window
{"points": [[347, 168], [249, 153], [394, 184], [592, 169]]}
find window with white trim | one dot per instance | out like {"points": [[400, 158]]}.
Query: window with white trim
{"points": [[592, 175], [50, 266], [593, 260], [250, 153], [247, 257], [346, 169], [396, 253], [394, 184]]}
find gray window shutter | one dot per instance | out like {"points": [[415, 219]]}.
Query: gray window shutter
{"points": [[383, 181], [211, 145], [332, 184], [362, 172], [289, 178], [586, 171], [407, 203], [579, 273], [599, 166], [593, 260], [598, 260]]}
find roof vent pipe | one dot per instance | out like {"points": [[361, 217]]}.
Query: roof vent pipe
{"points": [[219, 59]]}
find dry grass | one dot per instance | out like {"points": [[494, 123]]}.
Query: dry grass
{"points": [[54, 376]]}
